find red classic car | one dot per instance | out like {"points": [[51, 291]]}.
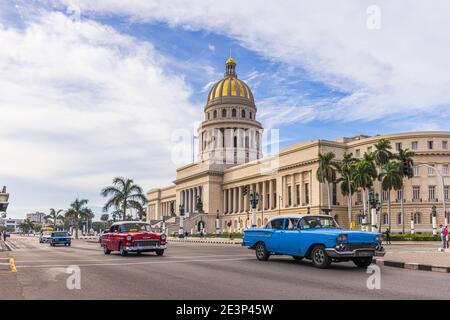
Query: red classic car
{"points": [[132, 236]]}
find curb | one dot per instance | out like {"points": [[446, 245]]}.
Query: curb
{"points": [[412, 266]]}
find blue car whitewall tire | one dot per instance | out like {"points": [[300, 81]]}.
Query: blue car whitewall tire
{"points": [[319, 257], [261, 252]]}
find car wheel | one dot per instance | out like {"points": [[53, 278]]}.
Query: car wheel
{"points": [[106, 250], [122, 251], [159, 252], [69, 244], [320, 258], [362, 262], [298, 258], [261, 252]]}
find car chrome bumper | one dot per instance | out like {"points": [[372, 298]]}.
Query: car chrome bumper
{"points": [[145, 248], [357, 253]]}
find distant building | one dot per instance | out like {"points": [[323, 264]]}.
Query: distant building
{"points": [[37, 217], [12, 224], [4, 197]]}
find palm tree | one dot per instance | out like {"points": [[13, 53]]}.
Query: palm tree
{"points": [[324, 173], [346, 170], [77, 212], [124, 194], [391, 178], [26, 226], [54, 215], [404, 156], [382, 155], [364, 175]]}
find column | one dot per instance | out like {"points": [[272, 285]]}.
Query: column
{"points": [[235, 200], [246, 201], [240, 200], [271, 194], [224, 201], [294, 201], [264, 196], [229, 210], [194, 190]]}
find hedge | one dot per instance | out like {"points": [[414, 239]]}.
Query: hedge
{"points": [[415, 237]]}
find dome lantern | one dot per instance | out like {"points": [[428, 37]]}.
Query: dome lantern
{"points": [[230, 68]]}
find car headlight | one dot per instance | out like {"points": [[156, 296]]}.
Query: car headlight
{"points": [[129, 238], [379, 238], [163, 237], [342, 238]]}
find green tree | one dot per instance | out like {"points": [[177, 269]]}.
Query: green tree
{"points": [[404, 155], [77, 212], [124, 194], [55, 215], [324, 173], [346, 170], [382, 155], [364, 175], [104, 218], [26, 226], [391, 179]]}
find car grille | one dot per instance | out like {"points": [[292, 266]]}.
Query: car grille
{"points": [[353, 246], [145, 243]]}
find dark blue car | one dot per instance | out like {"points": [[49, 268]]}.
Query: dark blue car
{"points": [[60, 238]]}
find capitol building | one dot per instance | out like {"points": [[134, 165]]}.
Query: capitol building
{"points": [[214, 191]]}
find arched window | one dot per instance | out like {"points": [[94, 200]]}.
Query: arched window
{"points": [[224, 113], [215, 114], [243, 114], [235, 142], [385, 218], [399, 218], [250, 115], [208, 115], [233, 113], [417, 218]]}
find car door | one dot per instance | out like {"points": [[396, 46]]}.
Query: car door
{"points": [[273, 243], [289, 237]]}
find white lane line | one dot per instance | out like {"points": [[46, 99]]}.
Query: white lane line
{"points": [[130, 263], [143, 257]]}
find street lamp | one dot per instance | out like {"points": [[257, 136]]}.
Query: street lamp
{"points": [[254, 198], [217, 222], [181, 230], [374, 208], [433, 217]]}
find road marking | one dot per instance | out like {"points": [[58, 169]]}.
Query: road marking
{"points": [[12, 265], [131, 263], [135, 258]]}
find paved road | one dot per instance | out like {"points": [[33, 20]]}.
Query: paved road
{"points": [[189, 271]]}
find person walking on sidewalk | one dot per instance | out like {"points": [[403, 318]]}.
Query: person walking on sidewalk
{"points": [[444, 233], [388, 236]]}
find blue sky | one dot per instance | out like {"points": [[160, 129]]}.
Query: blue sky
{"points": [[100, 94]]}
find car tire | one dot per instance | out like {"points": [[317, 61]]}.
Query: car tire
{"points": [[106, 250], [122, 251], [298, 258], [69, 244], [261, 252], [363, 262], [159, 252], [320, 258]]}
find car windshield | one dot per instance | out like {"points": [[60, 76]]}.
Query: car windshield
{"points": [[318, 223], [135, 227], [59, 234]]}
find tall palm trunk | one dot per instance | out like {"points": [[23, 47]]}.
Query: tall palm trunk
{"points": [[364, 202], [402, 210], [329, 195], [389, 210], [76, 229], [350, 204], [125, 210]]}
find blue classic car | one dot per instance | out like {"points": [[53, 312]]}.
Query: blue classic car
{"points": [[60, 237], [315, 237]]}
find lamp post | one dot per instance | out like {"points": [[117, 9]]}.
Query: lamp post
{"points": [[374, 208], [412, 224], [181, 230], [217, 222], [433, 219], [254, 197]]}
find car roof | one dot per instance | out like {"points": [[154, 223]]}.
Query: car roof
{"points": [[298, 216], [127, 222]]}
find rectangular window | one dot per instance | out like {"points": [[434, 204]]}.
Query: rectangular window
{"points": [[307, 193], [414, 145], [445, 169], [445, 145], [268, 201], [289, 196], [297, 194], [430, 145], [398, 146], [357, 153], [431, 170], [384, 195], [416, 171], [399, 195], [416, 193], [431, 193], [369, 149], [334, 194], [446, 193], [274, 200]]}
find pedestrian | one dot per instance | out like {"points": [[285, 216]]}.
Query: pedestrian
{"points": [[388, 236], [4, 235], [444, 233]]}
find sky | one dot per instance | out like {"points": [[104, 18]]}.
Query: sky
{"points": [[90, 90]]}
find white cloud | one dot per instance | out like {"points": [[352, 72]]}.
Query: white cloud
{"points": [[82, 103], [401, 68]]}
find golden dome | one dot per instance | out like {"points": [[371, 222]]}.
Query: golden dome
{"points": [[230, 85]]}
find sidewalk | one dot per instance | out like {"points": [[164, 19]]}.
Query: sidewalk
{"points": [[206, 240]]}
